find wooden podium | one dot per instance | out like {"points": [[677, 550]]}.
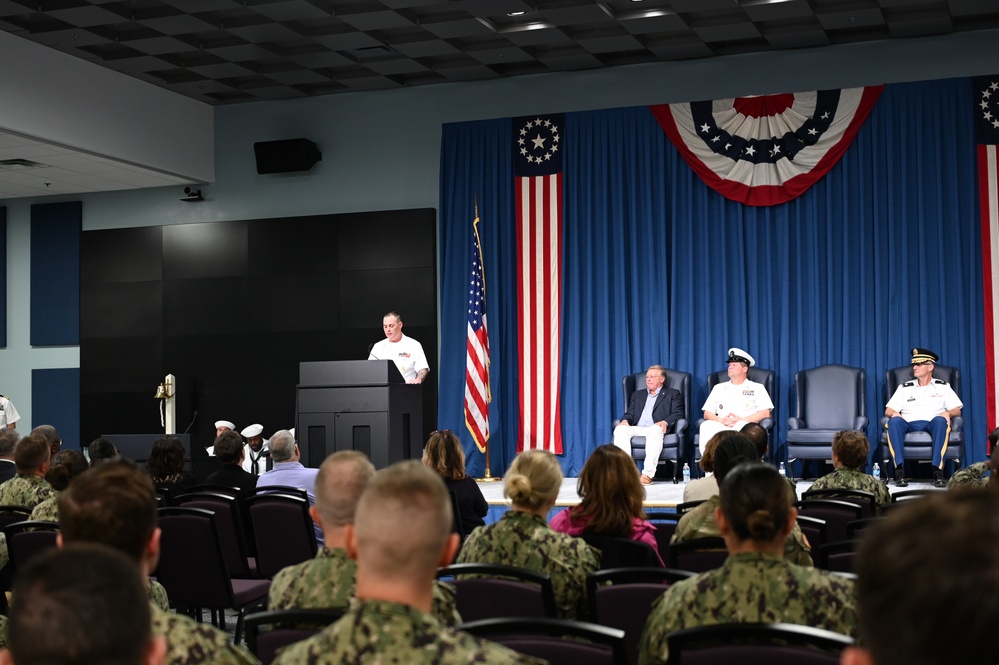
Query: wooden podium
{"points": [[362, 405]]}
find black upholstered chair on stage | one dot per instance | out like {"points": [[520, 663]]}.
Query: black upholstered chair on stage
{"points": [[675, 443], [756, 644], [757, 374], [919, 445], [554, 640], [828, 399]]}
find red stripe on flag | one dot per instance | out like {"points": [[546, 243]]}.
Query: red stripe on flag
{"points": [[539, 254], [988, 188]]}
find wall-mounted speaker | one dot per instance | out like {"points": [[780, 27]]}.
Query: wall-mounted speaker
{"points": [[286, 156]]}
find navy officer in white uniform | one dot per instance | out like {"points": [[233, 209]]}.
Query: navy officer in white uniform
{"points": [[923, 404], [405, 352], [734, 403]]}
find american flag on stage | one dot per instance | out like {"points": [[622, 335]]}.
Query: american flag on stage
{"points": [[986, 91], [538, 172], [769, 149], [477, 395]]}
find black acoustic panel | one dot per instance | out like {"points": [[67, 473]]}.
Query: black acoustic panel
{"points": [[365, 296], [295, 245], [356, 343], [219, 306], [286, 303], [219, 361], [124, 309], [121, 364], [387, 240], [127, 412], [122, 255], [192, 251]]}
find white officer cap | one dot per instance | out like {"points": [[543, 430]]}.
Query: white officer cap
{"points": [[224, 423], [252, 430], [736, 355]]}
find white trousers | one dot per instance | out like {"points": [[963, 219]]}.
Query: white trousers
{"points": [[711, 427], [653, 444]]}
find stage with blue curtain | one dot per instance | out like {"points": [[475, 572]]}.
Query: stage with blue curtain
{"points": [[882, 254]]}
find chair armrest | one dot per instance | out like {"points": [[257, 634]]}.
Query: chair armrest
{"points": [[795, 423], [615, 423], [860, 423], [957, 424], [767, 423], [681, 425], [884, 422]]}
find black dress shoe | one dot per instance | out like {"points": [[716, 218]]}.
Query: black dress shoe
{"points": [[938, 480], [900, 480]]}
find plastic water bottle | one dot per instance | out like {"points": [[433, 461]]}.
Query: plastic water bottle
{"points": [[877, 471], [782, 470], [686, 474]]}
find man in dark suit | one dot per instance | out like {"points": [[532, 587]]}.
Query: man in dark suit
{"points": [[8, 439], [651, 413]]}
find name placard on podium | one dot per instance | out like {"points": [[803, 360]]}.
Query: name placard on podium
{"points": [[362, 405]]}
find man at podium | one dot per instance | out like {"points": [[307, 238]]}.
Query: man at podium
{"points": [[405, 352]]}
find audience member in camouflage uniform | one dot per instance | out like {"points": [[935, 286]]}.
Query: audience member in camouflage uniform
{"points": [[327, 581], [973, 477], [927, 583], [849, 456], [28, 488], [522, 537], [115, 504], [700, 521], [66, 464], [81, 604], [401, 535], [756, 584]]}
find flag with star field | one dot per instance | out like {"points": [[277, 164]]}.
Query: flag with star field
{"points": [[986, 92]]}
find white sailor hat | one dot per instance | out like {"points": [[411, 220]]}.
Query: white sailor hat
{"points": [[739, 356], [224, 423], [252, 430]]}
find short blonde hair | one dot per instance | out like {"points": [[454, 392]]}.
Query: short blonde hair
{"points": [[533, 480]]}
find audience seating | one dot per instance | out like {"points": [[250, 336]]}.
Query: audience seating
{"points": [[26, 539], [623, 552], [828, 399], [266, 632], [675, 447], [622, 597], [865, 500], [755, 644], [283, 531], [685, 507], [919, 445], [836, 514], [229, 521], [554, 640], [814, 529], [193, 567], [11, 514], [665, 528], [836, 556], [499, 591], [697, 555], [856, 529]]}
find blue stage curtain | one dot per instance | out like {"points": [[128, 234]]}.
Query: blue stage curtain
{"points": [[881, 255]]}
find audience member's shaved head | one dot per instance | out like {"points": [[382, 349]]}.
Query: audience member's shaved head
{"points": [[341, 479], [112, 504], [8, 439], [31, 453], [928, 582], [403, 522], [82, 605]]}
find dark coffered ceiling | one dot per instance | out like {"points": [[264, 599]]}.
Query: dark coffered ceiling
{"points": [[229, 51]]}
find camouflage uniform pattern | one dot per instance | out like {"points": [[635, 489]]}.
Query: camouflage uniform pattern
{"points": [[750, 587], [327, 581], [47, 510], [852, 479], [25, 490], [526, 541], [972, 477], [192, 643], [700, 523], [3, 632], [377, 631], [158, 595]]}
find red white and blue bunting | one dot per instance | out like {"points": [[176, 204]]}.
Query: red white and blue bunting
{"points": [[766, 150]]}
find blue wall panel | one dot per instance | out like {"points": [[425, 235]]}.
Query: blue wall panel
{"points": [[55, 400], [55, 273]]}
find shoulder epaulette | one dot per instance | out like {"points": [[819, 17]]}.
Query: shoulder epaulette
{"points": [[940, 381], [909, 384]]}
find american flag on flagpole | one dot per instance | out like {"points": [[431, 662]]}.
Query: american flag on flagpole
{"points": [[477, 395], [986, 91], [538, 173]]}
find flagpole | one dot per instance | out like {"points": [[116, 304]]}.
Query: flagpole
{"points": [[489, 477]]}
